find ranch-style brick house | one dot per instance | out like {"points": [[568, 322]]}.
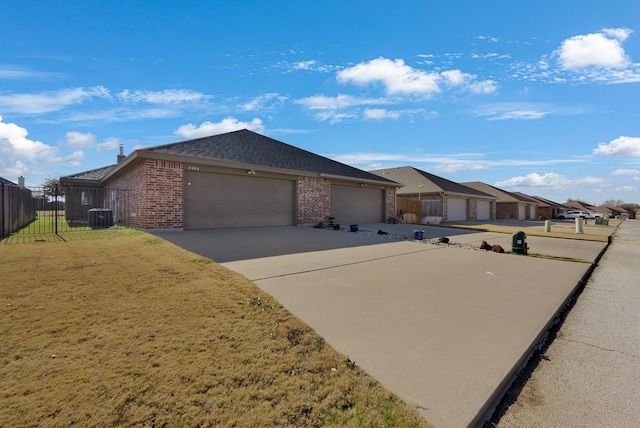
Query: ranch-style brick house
{"points": [[509, 206], [442, 200], [236, 179]]}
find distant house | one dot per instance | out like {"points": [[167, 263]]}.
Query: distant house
{"points": [[509, 206], [442, 199], [618, 212], [580, 205], [547, 209], [85, 191], [236, 179]]}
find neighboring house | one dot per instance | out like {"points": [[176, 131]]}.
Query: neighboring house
{"points": [[619, 212], [444, 200], [509, 206], [85, 191], [547, 209], [603, 209], [580, 205], [237, 179]]}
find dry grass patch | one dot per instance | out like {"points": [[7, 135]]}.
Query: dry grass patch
{"points": [[131, 330], [566, 230]]}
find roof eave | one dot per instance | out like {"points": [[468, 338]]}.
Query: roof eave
{"points": [[147, 154]]}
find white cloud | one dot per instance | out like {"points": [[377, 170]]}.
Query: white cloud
{"points": [[78, 140], [626, 189], [456, 77], [632, 172], [262, 101], [513, 111], [320, 102], [489, 38], [621, 34], [396, 76], [18, 73], [401, 79], [483, 87], [550, 180], [308, 65], [621, 146], [167, 96], [19, 154], [332, 117], [108, 144], [46, 102], [228, 124], [380, 114], [304, 65], [461, 166], [602, 49]]}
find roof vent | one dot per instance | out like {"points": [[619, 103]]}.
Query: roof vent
{"points": [[121, 156]]}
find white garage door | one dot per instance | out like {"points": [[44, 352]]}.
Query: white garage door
{"points": [[213, 200], [356, 205], [521, 212], [532, 212], [484, 210], [457, 209]]}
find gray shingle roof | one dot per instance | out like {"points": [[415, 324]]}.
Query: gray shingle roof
{"points": [[248, 147], [93, 175], [502, 195], [416, 180]]}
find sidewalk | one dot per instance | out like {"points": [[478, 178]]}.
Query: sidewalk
{"points": [[590, 373]]}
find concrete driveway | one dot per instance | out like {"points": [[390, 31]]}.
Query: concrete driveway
{"points": [[445, 328]]}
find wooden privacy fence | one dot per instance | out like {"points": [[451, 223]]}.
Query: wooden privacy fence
{"points": [[17, 208], [414, 211], [409, 210]]}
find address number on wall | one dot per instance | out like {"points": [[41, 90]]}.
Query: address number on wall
{"points": [[193, 168]]}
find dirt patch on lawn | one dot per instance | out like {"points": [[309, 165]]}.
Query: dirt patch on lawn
{"points": [[131, 330]]}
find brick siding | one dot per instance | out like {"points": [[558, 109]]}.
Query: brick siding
{"points": [[155, 193], [390, 203], [506, 211], [314, 200]]}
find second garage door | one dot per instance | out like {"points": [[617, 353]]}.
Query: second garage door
{"points": [[457, 209], [354, 205], [213, 200], [484, 210]]}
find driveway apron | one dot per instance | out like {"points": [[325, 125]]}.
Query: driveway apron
{"points": [[445, 328]]}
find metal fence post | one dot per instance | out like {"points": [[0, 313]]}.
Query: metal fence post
{"points": [[2, 213], [55, 199]]}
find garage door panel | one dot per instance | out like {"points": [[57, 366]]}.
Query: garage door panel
{"points": [[521, 212], [353, 205], [457, 209], [224, 200], [484, 210]]}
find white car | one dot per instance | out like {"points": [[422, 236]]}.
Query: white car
{"points": [[575, 214]]}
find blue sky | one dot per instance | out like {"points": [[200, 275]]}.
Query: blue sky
{"points": [[540, 97]]}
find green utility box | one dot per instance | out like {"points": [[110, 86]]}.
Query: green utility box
{"points": [[519, 242]]}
